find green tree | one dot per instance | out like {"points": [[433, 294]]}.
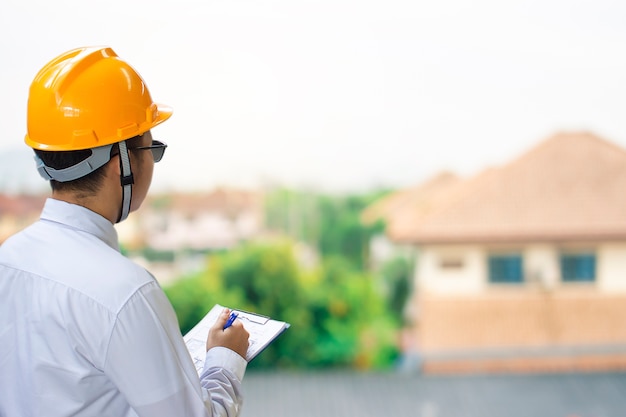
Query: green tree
{"points": [[396, 278], [329, 223], [354, 328], [337, 318], [268, 279]]}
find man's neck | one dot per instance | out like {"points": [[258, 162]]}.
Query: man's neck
{"points": [[96, 203]]}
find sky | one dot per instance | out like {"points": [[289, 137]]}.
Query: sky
{"points": [[339, 95]]}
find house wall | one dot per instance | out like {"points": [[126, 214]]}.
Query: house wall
{"points": [[612, 268], [464, 321], [462, 269], [529, 330], [541, 265], [450, 270]]}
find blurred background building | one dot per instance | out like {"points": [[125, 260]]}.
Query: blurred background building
{"points": [[521, 267]]}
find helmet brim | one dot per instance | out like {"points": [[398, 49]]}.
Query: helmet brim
{"points": [[164, 112]]}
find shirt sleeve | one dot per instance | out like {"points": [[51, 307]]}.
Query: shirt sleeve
{"points": [[148, 362]]}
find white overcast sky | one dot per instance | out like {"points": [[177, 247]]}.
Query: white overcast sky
{"points": [[336, 94]]}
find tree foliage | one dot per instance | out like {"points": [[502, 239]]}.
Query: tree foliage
{"points": [[337, 318], [395, 275], [329, 223]]}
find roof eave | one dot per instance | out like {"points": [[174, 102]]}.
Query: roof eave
{"points": [[509, 238]]}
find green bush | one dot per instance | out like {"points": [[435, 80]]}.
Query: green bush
{"points": [[337, 318]]}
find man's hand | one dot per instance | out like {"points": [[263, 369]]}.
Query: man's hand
{"points": [[235, 337]]}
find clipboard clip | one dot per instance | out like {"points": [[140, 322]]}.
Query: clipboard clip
{"points": [[251, 317]]}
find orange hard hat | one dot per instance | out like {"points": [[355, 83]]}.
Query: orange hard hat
{"points": [[86, 98]]}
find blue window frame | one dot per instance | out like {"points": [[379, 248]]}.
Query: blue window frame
{"points": [[506, 269], [578, 267]]}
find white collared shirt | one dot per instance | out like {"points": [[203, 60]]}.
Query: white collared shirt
{"points": [[84, 331]]}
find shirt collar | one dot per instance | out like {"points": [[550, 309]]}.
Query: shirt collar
{"points": [[80, 218]]}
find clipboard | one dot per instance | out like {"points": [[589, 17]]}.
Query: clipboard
{"points": [[263, 330]]}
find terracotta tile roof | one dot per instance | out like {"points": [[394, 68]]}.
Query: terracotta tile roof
{"points": [[222, 200], [572, 186], [21, 205], [417, 197]]}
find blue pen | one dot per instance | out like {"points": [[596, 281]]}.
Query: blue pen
{"points": [[230, 321]]}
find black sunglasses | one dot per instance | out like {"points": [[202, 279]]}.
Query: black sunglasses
{"points": [[157, 148]]}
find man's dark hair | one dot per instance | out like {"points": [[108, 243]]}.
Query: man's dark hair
{"points": [[90, 183], [87, 185]]}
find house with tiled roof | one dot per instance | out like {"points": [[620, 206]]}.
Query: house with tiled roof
{"points": [[18, 212], [173, 232], [521, 267], [202, 221]]}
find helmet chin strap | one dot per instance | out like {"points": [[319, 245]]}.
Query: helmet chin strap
{"points": [[126, 179]]}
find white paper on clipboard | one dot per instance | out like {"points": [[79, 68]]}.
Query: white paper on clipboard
{"points": [[263, 330]]}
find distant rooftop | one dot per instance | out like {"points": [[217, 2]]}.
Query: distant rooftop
{"points": [[569, 186]]}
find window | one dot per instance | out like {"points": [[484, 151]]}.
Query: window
{"points": [[506, 269], [578, 267], [450, 262]]}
